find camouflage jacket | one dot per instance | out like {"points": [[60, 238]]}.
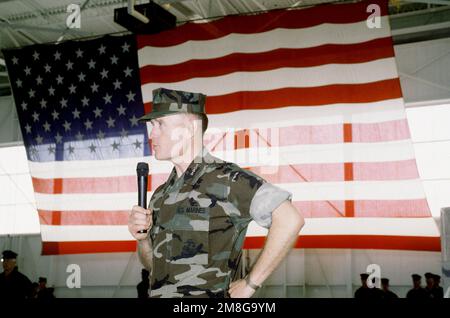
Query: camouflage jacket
{"points": [[199, 224]]}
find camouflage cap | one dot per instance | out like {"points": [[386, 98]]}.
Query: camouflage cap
{"points": [[169, 102]]}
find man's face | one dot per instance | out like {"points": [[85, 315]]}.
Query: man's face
{"points": [[8, 265], [169, 135], [417, 283]]}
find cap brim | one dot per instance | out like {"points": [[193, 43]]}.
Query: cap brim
{"points": [[153, 115]]}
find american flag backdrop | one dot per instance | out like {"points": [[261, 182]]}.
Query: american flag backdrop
{"points": [[309, 99]]}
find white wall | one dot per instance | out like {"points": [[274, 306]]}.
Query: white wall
{"points": [[430, 130], [18, 213]]}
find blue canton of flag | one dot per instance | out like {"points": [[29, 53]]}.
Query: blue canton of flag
{"points": [[79, 100]]}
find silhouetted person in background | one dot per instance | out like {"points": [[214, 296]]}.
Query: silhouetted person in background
{"points": [[34, 290], [387, 293], [438, 290], [144, 285], [44, 292], [429, 287], [417, 292], [13, 284], [365, 292]]}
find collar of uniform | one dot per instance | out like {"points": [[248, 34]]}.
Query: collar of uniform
{"points": [[195, 169]]}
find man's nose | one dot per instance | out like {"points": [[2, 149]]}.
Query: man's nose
{"points": [[152, 133]]}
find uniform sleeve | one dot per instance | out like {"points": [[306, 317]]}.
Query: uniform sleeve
{"points": [[243, 187], [255, 198], [265, 201]]}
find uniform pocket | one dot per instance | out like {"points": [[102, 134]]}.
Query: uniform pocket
{"points": [[190, 236]]}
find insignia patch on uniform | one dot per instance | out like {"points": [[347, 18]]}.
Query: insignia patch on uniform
{"points": [[192, 209]]}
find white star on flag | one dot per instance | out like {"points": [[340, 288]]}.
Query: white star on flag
{"points": [[63, 103], [76, 114], [28, 129], [107, 99], [91, 64], [117, 84], [127, 71], [67, 125], [55, 115], [79, 53], [69, 65], [110, 122], [85, 101], [102, 49], [104, 73], [121, 110], [94, 88], [130, 96], [125, 47]]}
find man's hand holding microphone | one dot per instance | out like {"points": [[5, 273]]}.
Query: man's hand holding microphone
{"points": [[140, 220]]}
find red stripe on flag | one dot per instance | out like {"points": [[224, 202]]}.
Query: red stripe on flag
{"points": [[60, 248], [258, 23], [321, 172], [347, 132], [349, 208], [119, 217], [378, 242], [348, 171], [310, 135], [309, 209], [383, 131], [302, 96], [265, 61], [362, 171], [364, 208], [54, 220]]}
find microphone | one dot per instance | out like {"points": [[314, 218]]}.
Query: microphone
{"points": [[142, 178]]}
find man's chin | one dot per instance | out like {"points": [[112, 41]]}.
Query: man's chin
{"points": [[158, 156]]}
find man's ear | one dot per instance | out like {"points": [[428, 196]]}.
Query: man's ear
{"points": [[193, 124]]}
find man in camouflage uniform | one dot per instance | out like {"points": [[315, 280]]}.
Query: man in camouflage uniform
{"points": [[197, 219]]}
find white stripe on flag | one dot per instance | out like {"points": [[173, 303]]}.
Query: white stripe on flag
{"points": [[362, 226], [87, 202], [363, 113], [247, 157]]}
